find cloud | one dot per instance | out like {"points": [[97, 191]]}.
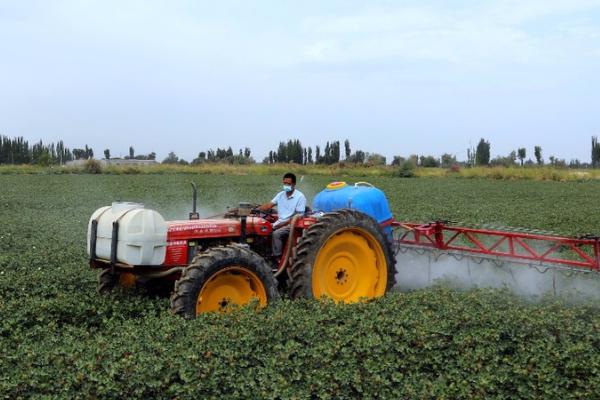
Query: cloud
{"points": [[499, 33]]}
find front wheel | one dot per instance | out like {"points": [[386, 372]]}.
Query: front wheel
{"points": [[220, 278], [108, 280]]}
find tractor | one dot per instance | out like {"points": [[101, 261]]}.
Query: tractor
{"points": [[338, 251], [343, 249]]}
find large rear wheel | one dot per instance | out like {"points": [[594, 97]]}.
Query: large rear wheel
{"points": [[345, 256], [223, 277]]}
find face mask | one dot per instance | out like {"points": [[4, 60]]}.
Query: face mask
{"points": [[287, 188]]}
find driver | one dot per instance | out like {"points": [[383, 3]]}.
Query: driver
{"points": [[289, 202]]}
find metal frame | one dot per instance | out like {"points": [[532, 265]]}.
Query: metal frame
{"points": [[527, 248]]}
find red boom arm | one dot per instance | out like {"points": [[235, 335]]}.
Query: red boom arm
{"points": [[526, 248]]}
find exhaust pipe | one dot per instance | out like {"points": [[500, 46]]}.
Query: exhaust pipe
{"points": [[194, 214], [243, 211]]}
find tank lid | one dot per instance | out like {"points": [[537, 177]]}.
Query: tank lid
{"points": [[119, 206], [336, 185]]}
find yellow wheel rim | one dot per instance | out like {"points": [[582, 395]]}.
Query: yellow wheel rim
{"points": [[232, 285], [350, 265], [126, 279]]}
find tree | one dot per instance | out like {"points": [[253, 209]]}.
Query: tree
{"points": [[482, 155], [595, 152], [470, 157], [107, 154], [507, 161], [538, 155], [429, 162], [318, 159], [131, 152], [398, 160], [171, 159], [201, 159], [407, 169], [347, 150], [247, 152], [375, 159], [335, 152], [358, 157], [575, 163], [310, 158], [81, 154], [522, 154], [327, 153], [448, 160]]}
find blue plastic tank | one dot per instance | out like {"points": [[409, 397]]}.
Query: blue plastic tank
{"points": [[361, 196]]}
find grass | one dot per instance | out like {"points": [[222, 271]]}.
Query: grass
{"points": [[545, 173]]}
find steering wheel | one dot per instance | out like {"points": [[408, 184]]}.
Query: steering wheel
{"points": [[265, 214]]}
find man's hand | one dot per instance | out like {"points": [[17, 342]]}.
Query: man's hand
{"points": [[266, 206]]}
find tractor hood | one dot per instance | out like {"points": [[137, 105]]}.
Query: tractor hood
{"points": [[215, 228]]}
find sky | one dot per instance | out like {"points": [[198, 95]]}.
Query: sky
{"points": [[392, 77]]}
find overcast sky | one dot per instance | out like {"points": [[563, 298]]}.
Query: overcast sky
{"points": [[394, 77]]}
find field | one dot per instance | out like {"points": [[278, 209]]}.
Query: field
{"points": [[59, 339]]}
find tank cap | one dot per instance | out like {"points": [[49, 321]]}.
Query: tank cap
{"points": [[120, 206], [336, 185]]}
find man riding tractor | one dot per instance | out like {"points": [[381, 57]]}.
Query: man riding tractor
{"points": [[289, 202]]}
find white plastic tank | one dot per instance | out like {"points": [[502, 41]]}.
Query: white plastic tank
{"points": [[142, 236]]}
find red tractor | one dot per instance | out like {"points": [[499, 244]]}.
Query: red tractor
{"points": [[344, 254], [344, 250]]}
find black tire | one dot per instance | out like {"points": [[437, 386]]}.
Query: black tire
{"points": [[316, 236], [208, 265], [107, 281]]}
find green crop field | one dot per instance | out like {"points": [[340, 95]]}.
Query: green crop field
{"points": [[59, 339]]}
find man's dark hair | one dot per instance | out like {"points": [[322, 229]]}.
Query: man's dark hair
{"points": [[291, 176]]}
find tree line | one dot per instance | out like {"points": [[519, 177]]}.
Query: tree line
{"points": [[480, 156], [19, 151], [293, 151]]}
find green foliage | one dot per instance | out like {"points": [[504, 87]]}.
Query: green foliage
{"points": [[407, 169], [92, 166], [538, 155], [429, 162], [18, 151], [375, 159], [482, 155], [448, 160], [595, 152], [59, 339], [522, 154]]}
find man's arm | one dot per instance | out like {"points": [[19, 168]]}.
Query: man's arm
{"points": [[270, 204], [266, 206], [301, 206]]}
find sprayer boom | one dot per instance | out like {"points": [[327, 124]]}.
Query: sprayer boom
{"points": [[582, 254]]}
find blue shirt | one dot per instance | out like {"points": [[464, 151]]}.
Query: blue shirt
{"points": [[288, 206]]}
